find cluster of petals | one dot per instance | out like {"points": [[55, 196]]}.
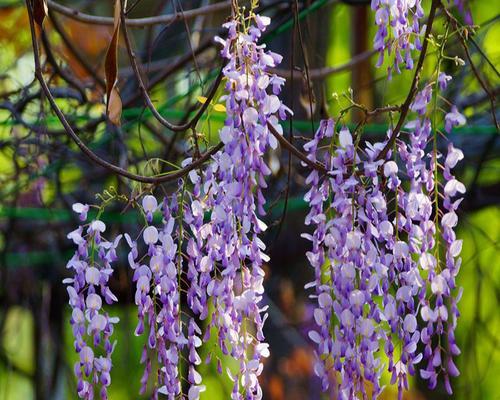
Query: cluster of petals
{"points": [[87, 289], [381, 289], [226, 253], [398, 31], [379, 284]]}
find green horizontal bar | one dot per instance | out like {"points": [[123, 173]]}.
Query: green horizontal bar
{"points": [[62, 215], [14, 260], [301, 125]]}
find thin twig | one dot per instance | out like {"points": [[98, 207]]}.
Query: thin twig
{"points": [[89, 153], [478, 76], [321, 73], [292, 149], [133, 60], [138, 22]]}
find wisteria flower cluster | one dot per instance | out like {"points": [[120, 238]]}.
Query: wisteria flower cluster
{"points": [[376, 256], [385, 295], [398, 31], [92, 326], [228, 247], [208, 245]]}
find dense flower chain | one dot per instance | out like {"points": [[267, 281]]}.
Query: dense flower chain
{"points": [[92, 326], [375, 253], [398, 31], [221, 267], [383, 290], [227, 252], [157, 277]]}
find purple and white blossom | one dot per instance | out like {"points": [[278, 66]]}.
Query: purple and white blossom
{"points": [[227, 254], [381, 287], [374, 267], [87, 289], [399, 31]]}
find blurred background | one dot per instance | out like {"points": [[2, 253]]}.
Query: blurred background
{"points": [[326, 46]]}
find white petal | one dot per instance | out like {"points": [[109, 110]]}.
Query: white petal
{"points": [[150, 235], [250, 116], [98, 226], [79, 207], [345, 137], [315, 337], [149, 203], [390, 168], [225, 135]]}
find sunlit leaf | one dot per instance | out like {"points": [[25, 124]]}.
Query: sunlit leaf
{"points": [[220, 107], [202, 99]]}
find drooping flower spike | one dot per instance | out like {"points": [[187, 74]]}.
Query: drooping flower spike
{"points": [[399, 32], [377, 268], [380, 288], [88, 289]]}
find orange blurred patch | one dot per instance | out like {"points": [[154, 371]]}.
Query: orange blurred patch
{"points": [[276, 388], [13, 21], [91, 40]]}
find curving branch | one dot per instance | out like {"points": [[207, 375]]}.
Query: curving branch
{"points": [[138, 22], [135, 67], [482, 83], [89, 153], [296, 152]]}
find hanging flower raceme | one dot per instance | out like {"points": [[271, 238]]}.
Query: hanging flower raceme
{"points": [[92, 326], [399, 31], [347, 268], [377, 268], [226, 252], [157, 275]]}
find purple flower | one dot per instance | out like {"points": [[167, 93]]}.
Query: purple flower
{"points": [[149, 205], [92, 327], [398, 32], [81, 209], [453, 118], [361, 250], [443, 80]]}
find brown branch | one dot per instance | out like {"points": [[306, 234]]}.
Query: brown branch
{"points": [[147, 98], [483, 84], [405, 108], [321, 73], [138, 22], [89, 153], [292, 149]]}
